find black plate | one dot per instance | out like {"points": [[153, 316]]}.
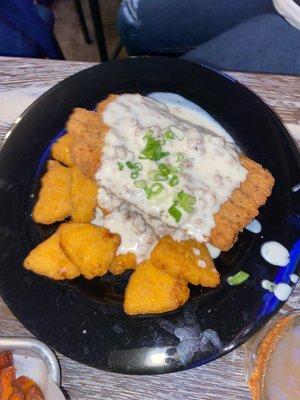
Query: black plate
{"points": [[84, 319]]}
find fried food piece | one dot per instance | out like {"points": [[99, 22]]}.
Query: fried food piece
{"points": [[17, 395], [86, 153], [85, 148], [7, 375], [60, 150], [83, 196], [54, 200], [242, 207], [30, 389], [152, 291], [90, 247], [34, 393], [6, 359], [88, 134], [122, 262], [86, 131], [23, 383], [83, 121], [188, 259], [48, 259]]}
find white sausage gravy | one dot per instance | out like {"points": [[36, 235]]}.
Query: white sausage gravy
{"points": [[163, 171]]}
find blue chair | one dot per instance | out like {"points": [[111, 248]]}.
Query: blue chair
{"points": [[26, 30], [239, 35]]}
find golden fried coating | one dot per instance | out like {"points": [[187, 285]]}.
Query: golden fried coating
{"points": [[85, 147], [188, 259], [54, 199], [243, 205], [90, 247], [48, 259], [122, 262], [88, 133], [60, 150], [152, 291], [83, 121], [86, 152], [83, 196]]}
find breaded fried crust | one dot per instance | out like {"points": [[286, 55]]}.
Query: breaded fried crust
{"points": [[242, 207], [60, 150], [86, 153], [54, 199], [85, 147], [88, 130]]}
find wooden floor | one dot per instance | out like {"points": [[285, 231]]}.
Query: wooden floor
{"points": [[69, 34]]}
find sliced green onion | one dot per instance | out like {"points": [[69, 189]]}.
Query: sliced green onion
{"points": [[169, 135], [178, 170], [148, 134], [186, 201], [175, 213], [155, 189], [153, 150], [136, 167], [120, 166], [165, 169], [140, 184], [146, 190], [130, 164], [157, 176], [174, 180], [238, 278], [177, 132], [180, 157], [134, 174]]}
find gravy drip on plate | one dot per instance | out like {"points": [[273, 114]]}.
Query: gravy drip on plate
{"points": [[275, 253], [204, 165]]}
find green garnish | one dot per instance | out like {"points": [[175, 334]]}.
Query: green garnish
{"points": [[175, 213], [120, 165], [157, 176], [136, 167], [140, 184], [148, 134], [238, 278], [165, 169], [153, 150], [134, 174], [178, 170], [177, 132], [154, 190], [182, 200], [180, 157], [169, 135], [186, 201], [130, 164], [174, 180]]}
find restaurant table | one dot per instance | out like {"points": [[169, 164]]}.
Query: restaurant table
{"points": [[21, 82]]}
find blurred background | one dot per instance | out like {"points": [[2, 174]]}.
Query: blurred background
{"points": [[68, 30], [238, 35]]}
